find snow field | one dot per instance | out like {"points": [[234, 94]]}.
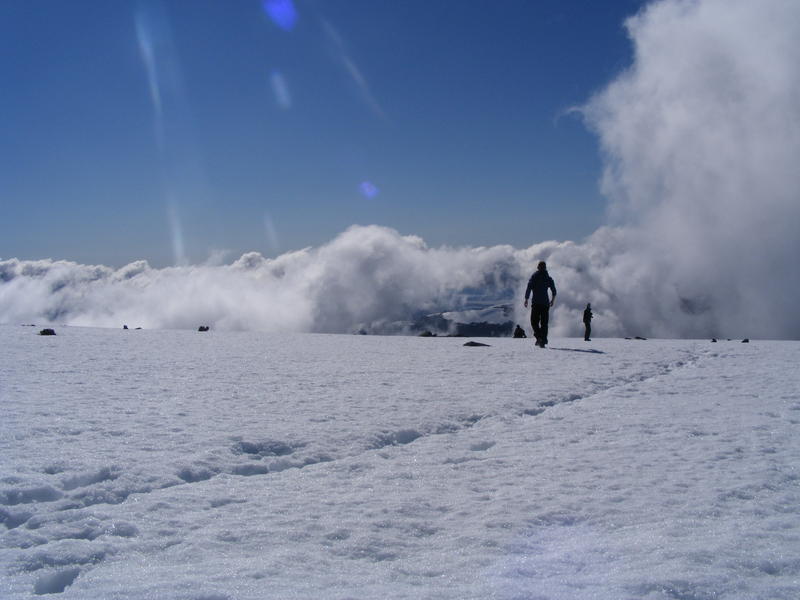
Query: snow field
{"points": [[175, 464]]}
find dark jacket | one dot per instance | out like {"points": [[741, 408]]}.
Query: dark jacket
{"points": [[587, 315], [538, 285]]}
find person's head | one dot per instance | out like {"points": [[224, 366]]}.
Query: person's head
{"points": [[588, 305], [541, 266]]}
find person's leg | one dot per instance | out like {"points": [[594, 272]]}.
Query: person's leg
{"points": [[535, 318], [588, 333], [545, 319]]}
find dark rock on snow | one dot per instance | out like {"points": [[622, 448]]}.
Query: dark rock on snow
{"points": [[475, 344], [202, 328], [47, 332]]}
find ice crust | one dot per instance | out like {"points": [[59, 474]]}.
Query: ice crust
{"points": [[234, 465]]}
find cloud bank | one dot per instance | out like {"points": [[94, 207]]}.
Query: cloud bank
{"points": [[700, 138], [367, 278]]}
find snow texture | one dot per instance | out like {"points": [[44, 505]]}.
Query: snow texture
{"points": [[244, 465]]}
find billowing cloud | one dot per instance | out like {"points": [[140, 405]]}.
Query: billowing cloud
{"points": [[366, 278], [700, 138]]}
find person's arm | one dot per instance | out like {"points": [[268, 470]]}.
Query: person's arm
{"points": [[528, 291], [553, 289]]}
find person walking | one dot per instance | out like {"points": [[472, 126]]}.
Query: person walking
{"points": [[541, 302], [587, 323]]}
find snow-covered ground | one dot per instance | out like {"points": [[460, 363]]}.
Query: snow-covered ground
{"points": [[200, 466]]}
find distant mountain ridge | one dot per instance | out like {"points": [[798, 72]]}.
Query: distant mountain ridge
{"points": [[491, 321]]}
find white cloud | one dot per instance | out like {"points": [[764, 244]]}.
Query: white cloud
{"points": [[701, 138], [366, 276]]}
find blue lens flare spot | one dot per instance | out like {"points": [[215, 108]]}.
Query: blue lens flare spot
{"points": [[281, 12], [368, 189]]}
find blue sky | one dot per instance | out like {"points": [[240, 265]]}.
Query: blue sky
{"points": [[173, 130]]}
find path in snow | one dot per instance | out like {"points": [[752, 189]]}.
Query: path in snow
{"points": [[177, 464]]}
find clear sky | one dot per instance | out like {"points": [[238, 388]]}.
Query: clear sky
{"points": [[172, 130]]}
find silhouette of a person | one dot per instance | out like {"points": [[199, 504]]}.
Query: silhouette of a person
{"points": [[537, 288], [587, 323], [519, 332]]}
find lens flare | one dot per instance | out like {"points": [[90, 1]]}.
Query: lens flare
{"points": [[176, 231], [147, 49], [280, 89], [282, 13], [272, 233], [368, 189], [339, 51]]}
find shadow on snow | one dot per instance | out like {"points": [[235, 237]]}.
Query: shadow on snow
{"points": [[579, 350]]}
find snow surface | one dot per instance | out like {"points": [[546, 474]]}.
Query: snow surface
{"points": [[235, 465]]}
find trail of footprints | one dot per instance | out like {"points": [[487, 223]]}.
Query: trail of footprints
{"points": [[66, 522]]}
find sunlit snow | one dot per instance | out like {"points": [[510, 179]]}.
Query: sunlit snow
{"points": [[236, 465]]}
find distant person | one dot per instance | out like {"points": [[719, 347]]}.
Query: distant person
{"points": [[541, 302], [587, 323], [519, 332]]}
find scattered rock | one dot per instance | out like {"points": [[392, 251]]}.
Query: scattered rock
{"points": [[474, 344], [714, 340], [519, 332], [47, 332], [640, 338], [427, 334], [746, 341], [138, 328], [202, 328], [124, 326]]}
